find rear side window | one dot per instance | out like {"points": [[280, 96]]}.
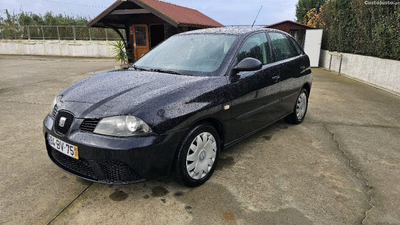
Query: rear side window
{"points": [[282, 46], [256, 47]]}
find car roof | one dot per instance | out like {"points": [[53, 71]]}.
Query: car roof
{"points": [[239, 31]]}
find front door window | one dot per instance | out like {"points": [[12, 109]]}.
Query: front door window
{"points": [[256, 47]]}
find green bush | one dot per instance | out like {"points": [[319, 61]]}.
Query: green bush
{"points": [[119, 52], [354, 27]]}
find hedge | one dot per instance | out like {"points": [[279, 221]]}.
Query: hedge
{"points": [[354, 26]]}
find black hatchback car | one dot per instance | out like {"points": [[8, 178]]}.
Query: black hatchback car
{"points": [[178, 106]]}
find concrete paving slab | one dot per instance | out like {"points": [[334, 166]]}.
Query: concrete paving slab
{"points": [[33, 191], [23, 70], [340, 166], [264, 178], [337, 99], [375, 155]]}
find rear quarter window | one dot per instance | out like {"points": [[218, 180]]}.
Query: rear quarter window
{"points": [[296, 46]]}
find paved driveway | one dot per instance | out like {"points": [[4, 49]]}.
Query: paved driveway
{"points": [[341, 166]]}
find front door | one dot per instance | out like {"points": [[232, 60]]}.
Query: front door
{"points": [[255, 93], [140, 40]]}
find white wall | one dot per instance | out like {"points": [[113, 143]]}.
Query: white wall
{"points": [[382, 73], [56, 48]]}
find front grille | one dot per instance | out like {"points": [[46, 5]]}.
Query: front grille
{"points": [[118, 172], [89, 125], [80, 167], [63, 127], [55, 110]]}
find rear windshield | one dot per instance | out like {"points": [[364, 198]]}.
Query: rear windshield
{"points": [[195, 54]]}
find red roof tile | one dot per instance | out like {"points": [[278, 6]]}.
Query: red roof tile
{"points": [[182, 15]]}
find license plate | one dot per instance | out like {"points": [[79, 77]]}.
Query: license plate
{"points": [[63, 147]]}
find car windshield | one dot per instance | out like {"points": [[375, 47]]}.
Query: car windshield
{"points": [[193, 54]]}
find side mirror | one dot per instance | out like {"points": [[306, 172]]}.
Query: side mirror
{"points": [[248, 64]]}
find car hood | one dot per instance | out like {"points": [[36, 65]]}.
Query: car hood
{"points": [[120, 92]]}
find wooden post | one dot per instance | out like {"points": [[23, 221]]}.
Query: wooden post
{"points": [[129, 49]]}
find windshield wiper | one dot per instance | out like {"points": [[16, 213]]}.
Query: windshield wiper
{"points": [[139, 68], [156, 70], [165, 71]]}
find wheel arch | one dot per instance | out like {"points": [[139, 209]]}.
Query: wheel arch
{"points": [[307, 86], [217, 124]]}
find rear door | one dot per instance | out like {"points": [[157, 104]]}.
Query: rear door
{"points": [[292, 62], [255, 93]]}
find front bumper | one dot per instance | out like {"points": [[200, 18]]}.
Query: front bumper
{"points": [[114, 160]]}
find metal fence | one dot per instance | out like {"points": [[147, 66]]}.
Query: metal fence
{"points": [[66, 32], [58, 33]]}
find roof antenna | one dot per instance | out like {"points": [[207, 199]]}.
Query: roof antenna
{"points": [[256, 17]]}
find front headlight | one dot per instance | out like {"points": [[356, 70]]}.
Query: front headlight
{"points": [[122, 126], [52, 106]]}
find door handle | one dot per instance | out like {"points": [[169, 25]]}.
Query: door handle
{"points": [[276, 78], [302, 67]]}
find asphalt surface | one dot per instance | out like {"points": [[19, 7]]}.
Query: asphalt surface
{"points": [[341, 166]]}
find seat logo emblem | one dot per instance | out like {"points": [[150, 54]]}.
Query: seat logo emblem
{"points": [[61, 123], [202, 155]]}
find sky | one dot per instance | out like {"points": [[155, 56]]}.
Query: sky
{"points": [[227, 12]]}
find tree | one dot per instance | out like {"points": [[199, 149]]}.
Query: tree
{"points": [[303, 6], [14, 26], [28, 18], [314, 18]]}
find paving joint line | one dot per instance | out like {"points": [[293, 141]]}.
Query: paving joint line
{"points": [[51, 221], [356, 171], [356, 125], [32, 103]]}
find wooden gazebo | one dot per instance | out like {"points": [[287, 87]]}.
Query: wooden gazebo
{"points": [[149, 22]]}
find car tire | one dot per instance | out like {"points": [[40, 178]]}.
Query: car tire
{"points": [[300, 108], [198, 149]]}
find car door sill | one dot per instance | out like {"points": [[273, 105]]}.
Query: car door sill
{"points": [[227, 145]]}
